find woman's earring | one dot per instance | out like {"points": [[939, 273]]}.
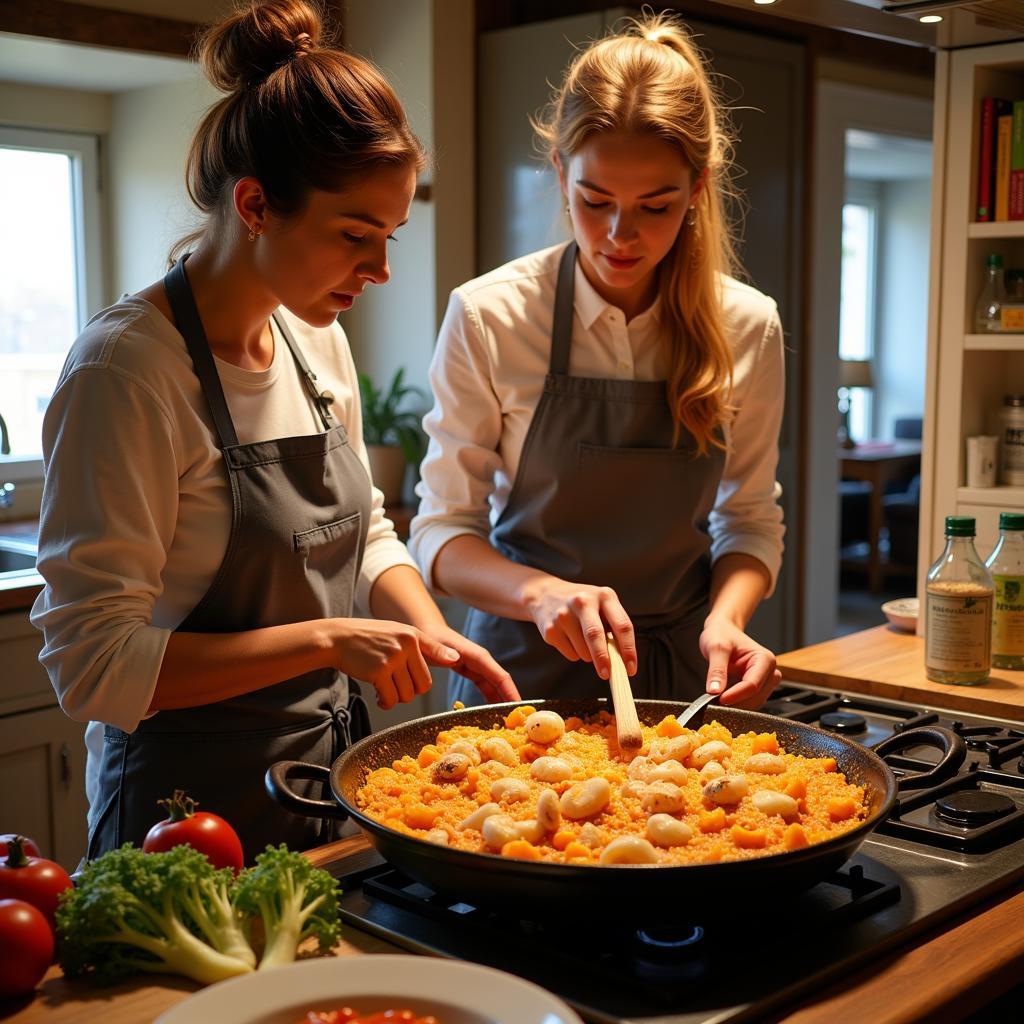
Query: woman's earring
{"points": [[254, 232], [691, 216]]}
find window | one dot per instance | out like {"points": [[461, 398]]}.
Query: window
{"points": [[50, 278], [857, 295]]}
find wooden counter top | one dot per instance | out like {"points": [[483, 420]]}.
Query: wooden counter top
{"points": [[885, 662], [964, 966]]}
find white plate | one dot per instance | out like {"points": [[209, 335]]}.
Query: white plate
{"points": [[902, 613], [455, 992]]}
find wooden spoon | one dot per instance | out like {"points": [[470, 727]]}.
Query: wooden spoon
{"points": [[627, 725]]}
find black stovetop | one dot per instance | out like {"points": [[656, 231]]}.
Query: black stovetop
{"points": [[943, 850]]}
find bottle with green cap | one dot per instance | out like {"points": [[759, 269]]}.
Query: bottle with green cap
{"points": [[1006, 564], [958, 610], [989, 308]]}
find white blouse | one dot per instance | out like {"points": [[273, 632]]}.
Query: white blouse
{"points": [[488, 373], [136, 506]]}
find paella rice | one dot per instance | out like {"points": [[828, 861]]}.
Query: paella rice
{"points": [[537, 787]]}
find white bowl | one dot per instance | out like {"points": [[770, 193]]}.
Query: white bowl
{"points": [[456, 992], [902, 613]]}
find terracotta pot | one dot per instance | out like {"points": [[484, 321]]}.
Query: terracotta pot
{"points": [[387, 468]]}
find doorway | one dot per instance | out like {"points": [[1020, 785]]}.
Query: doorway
{"points": [[866, 374]]}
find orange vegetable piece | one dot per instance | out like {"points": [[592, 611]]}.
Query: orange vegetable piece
{"points": [[841, 808], [828, 764], [531, 751], [517, 716], [712, 821], [577, 851], [428, 755], [572, 723], [795, 838], [749, 838], [765, 743], [520, 849], [797, 789], [669, 727], [420, 816], [561, 840]]}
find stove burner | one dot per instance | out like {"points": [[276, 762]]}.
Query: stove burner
{"points": [[973, 807], [668, 944], [843, 722]]}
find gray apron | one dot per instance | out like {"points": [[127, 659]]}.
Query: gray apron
{"points": [[602, 497], [300, 512]]}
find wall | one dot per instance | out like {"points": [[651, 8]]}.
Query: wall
{"points": [[148, 208], [431, 64], [903, 302]]}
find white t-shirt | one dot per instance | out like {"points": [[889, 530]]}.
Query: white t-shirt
{"points": [[136, 507], [487, 377]]}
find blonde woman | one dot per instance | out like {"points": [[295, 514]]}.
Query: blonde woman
{"points": [[604, 440]]}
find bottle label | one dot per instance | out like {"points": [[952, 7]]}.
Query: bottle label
{"points": [[1008, 616], [1011, 318], [958, 628]]}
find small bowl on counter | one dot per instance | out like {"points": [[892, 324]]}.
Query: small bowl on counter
{"points": [[902, 613]]}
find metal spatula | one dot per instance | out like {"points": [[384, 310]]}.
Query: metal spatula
{"points": [[696, 707], [627, 725]]}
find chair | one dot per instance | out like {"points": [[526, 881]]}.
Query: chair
{"points": [[902, 507]]}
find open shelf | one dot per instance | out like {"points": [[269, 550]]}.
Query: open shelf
{"points": [[996, 229], [1008, 342], [1006, 497]]}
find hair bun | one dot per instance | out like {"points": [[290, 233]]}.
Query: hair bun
{"points": [[247, 47]]}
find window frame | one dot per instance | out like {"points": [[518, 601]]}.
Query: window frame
{"points": [[861, 192], [87, 210]]}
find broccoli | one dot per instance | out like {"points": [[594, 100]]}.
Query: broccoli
{"points": [[294, 899], [162, 912]]}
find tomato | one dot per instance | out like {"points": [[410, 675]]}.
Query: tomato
{"points": [[208, 833], [28, 845], [33, 879], [26, 947]]}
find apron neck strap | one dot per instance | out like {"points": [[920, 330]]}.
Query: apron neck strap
{"points": [[321, 399], [561, 329], [183, 305]]}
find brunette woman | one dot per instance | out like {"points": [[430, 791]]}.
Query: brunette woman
{"points": [[208, 520]]}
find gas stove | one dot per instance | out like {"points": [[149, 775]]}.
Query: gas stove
{"points": [[942, 850]]}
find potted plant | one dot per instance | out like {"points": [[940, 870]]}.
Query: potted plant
{"points": [[392, 432]]}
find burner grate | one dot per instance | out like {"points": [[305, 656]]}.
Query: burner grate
{"points": [[973, 812]]}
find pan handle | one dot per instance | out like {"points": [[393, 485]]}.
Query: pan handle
{"points": [[278, 778], [954, 753]]}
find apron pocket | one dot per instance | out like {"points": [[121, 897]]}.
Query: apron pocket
{"points": [[332, 554]]}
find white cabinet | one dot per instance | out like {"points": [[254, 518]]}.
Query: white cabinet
{"points": [[968, 373], [42, 752]]}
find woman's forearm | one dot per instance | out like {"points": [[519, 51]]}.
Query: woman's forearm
{"points": [[469, 569], [203, 668], [399, 593], [738, 585]]}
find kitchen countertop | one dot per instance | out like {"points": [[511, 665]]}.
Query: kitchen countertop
{"points": [[886, 662], [954, 970]]}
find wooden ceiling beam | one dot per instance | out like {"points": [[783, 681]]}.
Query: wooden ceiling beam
{"points": [[98, 26]]}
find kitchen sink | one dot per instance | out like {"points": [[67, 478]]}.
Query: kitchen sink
{"points": [[16, 557]]}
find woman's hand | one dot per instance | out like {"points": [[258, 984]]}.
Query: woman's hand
{"points": [[476, 664], [574, 618], [739, 668], [391, 656]]}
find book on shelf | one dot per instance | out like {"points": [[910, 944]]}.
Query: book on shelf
{"points": [[1016, 187], [1004, 134], [992, 108]]}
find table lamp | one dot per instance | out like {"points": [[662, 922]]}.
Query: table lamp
{"points": [[853, 373]]}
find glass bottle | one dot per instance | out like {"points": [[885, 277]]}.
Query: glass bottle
{"points": [[1006, 564], [988, 311], [958, 610]]}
